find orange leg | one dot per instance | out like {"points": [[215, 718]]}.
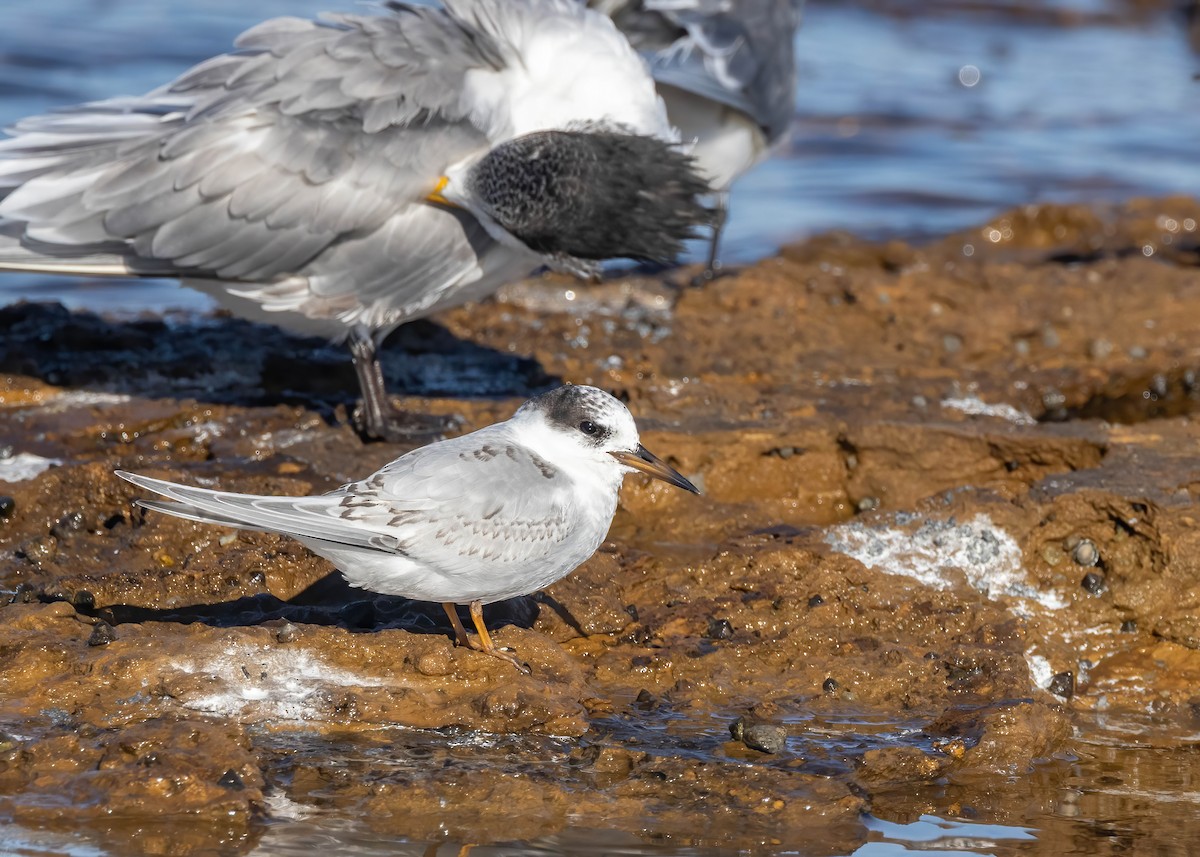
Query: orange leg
{"points": [[460, 633], [485, 640]]}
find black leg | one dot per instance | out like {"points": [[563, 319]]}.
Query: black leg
{"points": [[376, 418], [375, 406], [720, 215]]}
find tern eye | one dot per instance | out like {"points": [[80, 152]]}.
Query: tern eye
{"points": [[589, 428]]}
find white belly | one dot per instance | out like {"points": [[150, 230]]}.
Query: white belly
{"points": [[727, 143]]}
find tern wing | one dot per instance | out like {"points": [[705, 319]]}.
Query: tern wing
{"points": [[254, 165], [479, 498], [736, 52], [308, 517], [448, 506]]}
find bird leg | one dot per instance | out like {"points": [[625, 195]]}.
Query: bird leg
{"points": [[376, 418], [720, 215], [460, 633], [485, 641]]}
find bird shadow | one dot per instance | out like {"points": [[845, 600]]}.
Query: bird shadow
{"points": [[224, 360], [330, 602]]}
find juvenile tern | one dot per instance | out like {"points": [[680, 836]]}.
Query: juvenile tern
{"points": [[343, 176], [727, 71], [500, 512]]}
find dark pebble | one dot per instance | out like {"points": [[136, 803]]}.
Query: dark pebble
{"points": [[102, 634], [719, 629], [84, 600], [1094, 583], [40, 550], [646, 701], [1063, 685], [632, 610], [815, 601], [830, 685], [8, 506], [231, 780], [25, 594], [67, 525], [765, 738], [1129, 626]]}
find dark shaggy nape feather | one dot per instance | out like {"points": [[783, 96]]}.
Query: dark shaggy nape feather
{"points": [[594, 194], [567, 406]]}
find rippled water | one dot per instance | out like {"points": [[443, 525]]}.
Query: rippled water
{"points": [[889, 138]]}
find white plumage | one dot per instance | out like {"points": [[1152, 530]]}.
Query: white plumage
{"points": [[501, 512], [727, 72]]}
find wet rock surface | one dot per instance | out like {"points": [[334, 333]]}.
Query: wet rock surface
{"points": [[948, 539]]}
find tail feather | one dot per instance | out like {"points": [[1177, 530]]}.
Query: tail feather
{"points": [[299, 517], [101, 259]]}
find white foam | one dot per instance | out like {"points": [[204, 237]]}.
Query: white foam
{"points": [[975, 406], [988, 556], [261, 683], [1040, 670], [24, 466]]}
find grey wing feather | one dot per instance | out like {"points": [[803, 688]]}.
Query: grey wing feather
{"points": [[471, 498], [253, 164], [306, 517], [738, 53], [446, 505]]}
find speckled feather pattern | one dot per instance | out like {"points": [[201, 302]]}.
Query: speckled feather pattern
{"points": [[500, 512]]}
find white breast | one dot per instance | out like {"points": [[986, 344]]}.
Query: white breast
{"points": [[577, 69]]}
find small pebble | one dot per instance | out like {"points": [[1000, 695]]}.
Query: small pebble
{"points": [[435, 663], [867, 504], [84, 601], [7, 507], [102, 634], [765, 738], [1098, 349], [646, 701], [286, 633], [1085, 553], [231, 780], [719, 629], [40, 550], [816, 601], [1094, 583], [68, 524], [830, 685], [1063, 685], [759, 736], [1129, 626]]}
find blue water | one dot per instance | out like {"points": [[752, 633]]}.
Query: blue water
{"points": [[889, 138]]}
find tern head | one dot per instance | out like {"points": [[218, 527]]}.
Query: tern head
{"points": [[584, 194], [580, 424]]}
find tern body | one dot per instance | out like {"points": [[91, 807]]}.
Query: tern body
{"points": [[500, 512], [727, 72], [343, 176]]}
